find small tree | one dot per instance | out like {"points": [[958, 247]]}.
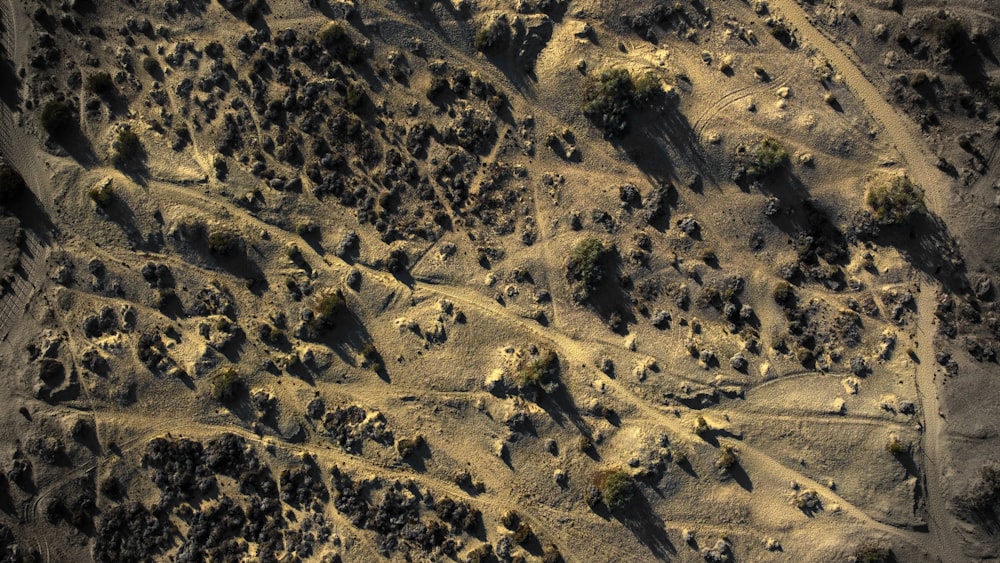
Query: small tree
{"points": [[584, 266], [768, 156], [126, 149], [616, 487], [495, 32], [226, 384], [222, 241], [328, 307]]}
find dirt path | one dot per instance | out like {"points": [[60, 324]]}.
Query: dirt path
{"points": [[901, 133], [940, 521]]}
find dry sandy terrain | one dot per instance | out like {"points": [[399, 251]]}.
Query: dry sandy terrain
{"points": [[476, 280]]}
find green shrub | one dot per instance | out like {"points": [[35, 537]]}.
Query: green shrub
{"points": [[57, 117], [896, 200], [539, 372], [585, 267], [338, 42], [494, 33], [11, 184], [617, 488], [222, 241], [226, 384], [126, 149], [100, 83], [609, 97], [768, 156], [328, 308]]}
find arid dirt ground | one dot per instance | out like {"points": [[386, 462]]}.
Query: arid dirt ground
{"points": [[482, 280]]}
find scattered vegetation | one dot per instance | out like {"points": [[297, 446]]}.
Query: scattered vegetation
{"points": [[226, 384], [57, 117], [585, 267], [608, 98], [895, 200]]}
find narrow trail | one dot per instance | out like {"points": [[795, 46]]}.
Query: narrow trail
{"points": [[941, 522], [901, 132]]}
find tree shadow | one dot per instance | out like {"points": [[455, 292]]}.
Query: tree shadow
{"points": [[931, 248], [658, 139], [738, 474], [638, 516], [76, 145]]}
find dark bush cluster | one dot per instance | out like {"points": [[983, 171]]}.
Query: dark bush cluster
{"points": [[100, 83], [350, 427], [302, 485], [179, 469], [395, 515], [130, 533]]}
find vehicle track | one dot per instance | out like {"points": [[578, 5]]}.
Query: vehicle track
{"points": [[901, 132]]}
